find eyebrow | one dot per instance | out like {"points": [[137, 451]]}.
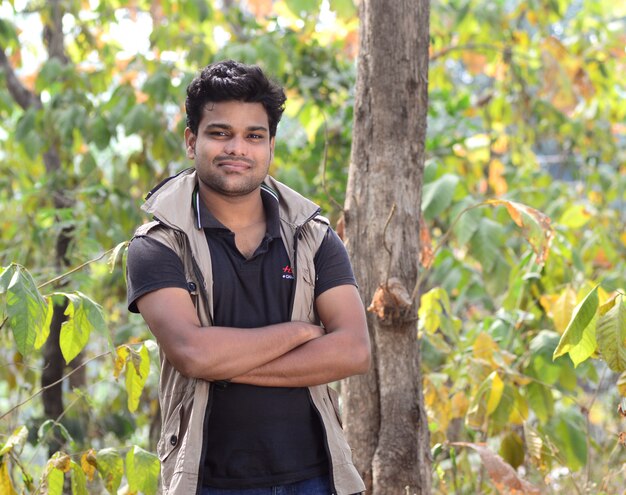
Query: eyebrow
{"points": [[221, 125]]}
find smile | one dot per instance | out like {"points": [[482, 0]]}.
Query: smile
{"points": [[234, 166]]}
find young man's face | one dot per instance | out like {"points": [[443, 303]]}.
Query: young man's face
{"points": [[233, 149]]}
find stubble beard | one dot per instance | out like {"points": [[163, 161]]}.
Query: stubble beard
{"points": [[231, 184]]}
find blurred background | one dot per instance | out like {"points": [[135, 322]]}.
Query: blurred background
{"points": [[527, 104]]}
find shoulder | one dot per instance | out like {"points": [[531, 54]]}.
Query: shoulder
{"points": [[169, 237]]}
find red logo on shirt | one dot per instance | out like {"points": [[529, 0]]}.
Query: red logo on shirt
{"points": [[287, 272]]}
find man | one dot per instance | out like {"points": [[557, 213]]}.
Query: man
{"points": [[252, 300]]}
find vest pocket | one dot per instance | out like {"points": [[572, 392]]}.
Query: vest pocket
{"points": [[171, 435], [334, 399]]}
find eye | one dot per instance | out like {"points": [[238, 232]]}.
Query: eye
{"points": [[256, 136], [217, 133]]}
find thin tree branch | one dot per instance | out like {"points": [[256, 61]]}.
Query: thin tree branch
{"points": [[22, 95], [50, 385], [391, 213], [76, 269]]}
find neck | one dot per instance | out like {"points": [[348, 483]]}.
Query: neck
{"points": [[234, 212]]}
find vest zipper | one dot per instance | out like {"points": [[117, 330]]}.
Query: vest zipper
{"points": [[297, 236], [331, 477], [207, 412]]}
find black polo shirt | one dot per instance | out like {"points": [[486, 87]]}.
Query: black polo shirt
{"points": [[256, 436]]}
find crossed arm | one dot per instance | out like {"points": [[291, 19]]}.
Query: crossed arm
{"points": [[292, 354]]}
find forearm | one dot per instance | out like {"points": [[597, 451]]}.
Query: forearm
{"points": [[327, 359], [218, 353]]}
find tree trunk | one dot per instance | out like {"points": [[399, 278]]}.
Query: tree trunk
{"points": [[386, 422]]}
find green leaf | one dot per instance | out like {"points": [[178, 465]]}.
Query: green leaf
{"points": [[142, 471], [437, 195], [568, 431], [579, 338], [485, 243], [25, 125], [138, 119], [84, 316], [28, 312], [51, 424], [115, 254], [158, 85], [100, 132], [136, 376], [54, 481], [17, 438], [6, 275], [303, 7], [79, 480], [111, 468], [512, 449], [611, 334], [575, 217], [344, 9], [540, 400], [468, 222]]}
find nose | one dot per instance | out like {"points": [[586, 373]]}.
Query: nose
{"points": [[235, 146]]}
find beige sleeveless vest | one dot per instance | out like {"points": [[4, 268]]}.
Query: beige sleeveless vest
{"points": [[184, 400]]}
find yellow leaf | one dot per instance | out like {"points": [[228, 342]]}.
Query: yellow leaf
{"points": [[621, 384], [519, 413], [484, 347], [460, 404], [88, 464], [536, 226], [429, 313], [438, 405], [495, 394], [496, 177], [563, 309], [120, 360], [501, 144], [6, 485]]}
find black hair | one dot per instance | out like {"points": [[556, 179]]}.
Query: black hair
{"points": [[229, 80]]}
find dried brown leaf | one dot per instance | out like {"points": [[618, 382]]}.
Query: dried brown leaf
{"points": [[502, 474], [427, 254], [391, 300]]}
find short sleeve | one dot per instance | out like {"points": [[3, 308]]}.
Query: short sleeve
{"points": [[332, 265], [151, 265]]}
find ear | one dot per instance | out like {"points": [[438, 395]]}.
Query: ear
{"points": [[272, 143], [190, 143]]}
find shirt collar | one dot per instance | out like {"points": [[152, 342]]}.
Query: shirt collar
{"points": [[204, 219]]}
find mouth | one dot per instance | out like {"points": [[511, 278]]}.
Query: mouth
{"points": [[232, 164]]}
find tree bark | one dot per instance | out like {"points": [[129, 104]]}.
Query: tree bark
{"points": [[386, 422]]}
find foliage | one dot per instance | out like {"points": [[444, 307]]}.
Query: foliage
{"points": [[522, 315], [522, 323]]}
